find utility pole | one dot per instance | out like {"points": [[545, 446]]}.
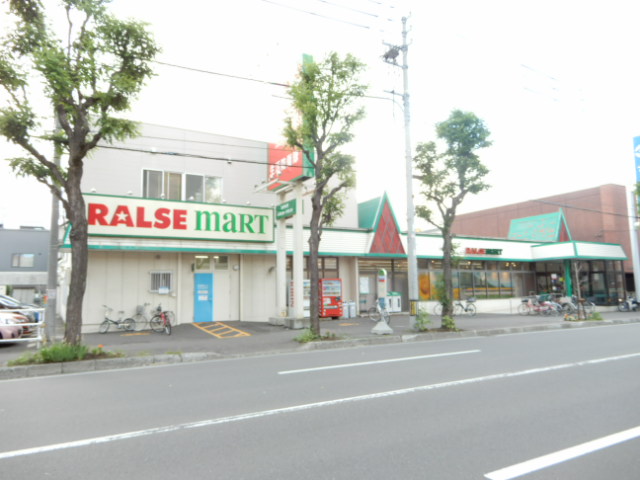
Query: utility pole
{"points": [[50, 313], [412, 262]]}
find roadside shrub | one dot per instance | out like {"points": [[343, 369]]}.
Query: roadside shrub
{"points": [[448, 323], [422, 320]]}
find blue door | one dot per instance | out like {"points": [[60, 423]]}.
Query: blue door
{"points": [[203, 306]]}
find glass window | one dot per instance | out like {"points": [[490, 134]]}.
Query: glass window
{"points": [[493, 285], [506, 285], [213, 189], [466, 284], [23, 260], [152, 184], [480, 284], [221, 262], [193, 188], [173, 186], [492, 265], [435, 264]]}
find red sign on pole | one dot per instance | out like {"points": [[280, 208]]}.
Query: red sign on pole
{"points": [[287, 165]]}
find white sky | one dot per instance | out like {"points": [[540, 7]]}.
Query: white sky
{"points": [[556, 82]]}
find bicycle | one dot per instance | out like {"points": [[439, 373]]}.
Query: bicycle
{"points": [[535, 306], [161, 320], [128, 324], [379, 311], [459, 308], [570, 306], [139, 317]]}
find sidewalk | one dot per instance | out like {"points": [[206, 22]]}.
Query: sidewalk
{"points": [[189, 343]]}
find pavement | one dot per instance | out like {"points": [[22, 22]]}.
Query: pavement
{"points": [[200, 342]]}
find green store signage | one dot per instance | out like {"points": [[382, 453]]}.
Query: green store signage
{"points": [[143, 217]]}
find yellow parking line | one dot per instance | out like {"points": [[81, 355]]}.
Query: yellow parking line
{"points": [[221, 330]]}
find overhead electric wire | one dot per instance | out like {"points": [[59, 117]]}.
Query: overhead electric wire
{"points": [[326, 17]]}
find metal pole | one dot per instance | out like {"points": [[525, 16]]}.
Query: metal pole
{"points": [[633, 230], [411, 234]]}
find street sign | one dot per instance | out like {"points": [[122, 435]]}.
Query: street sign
{"points": [[286, 209]]}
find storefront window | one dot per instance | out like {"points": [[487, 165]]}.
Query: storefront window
{"points": [[466, 284], [506, 285], [493, 285], [480, 284]]}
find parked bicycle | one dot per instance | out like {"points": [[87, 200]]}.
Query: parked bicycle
{"points": [[380, 311], [535, 306], [161, 320], [570, 305], [128, 324], [459, 308], [140, 316]]}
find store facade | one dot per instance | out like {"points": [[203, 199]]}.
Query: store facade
{"points": [[196, 234]]}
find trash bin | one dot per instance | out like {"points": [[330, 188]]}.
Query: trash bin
{"points": [[394, 301]]}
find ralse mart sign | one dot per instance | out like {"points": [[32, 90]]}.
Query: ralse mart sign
{"points": [[143, 217], [483, 251]]}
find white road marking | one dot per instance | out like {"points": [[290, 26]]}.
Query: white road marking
{"points": [[308, 406], [376, 362], [560, 456]]}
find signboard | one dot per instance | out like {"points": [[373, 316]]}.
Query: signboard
{"points": [[288, 165], [482, 251], [113, 216], [636, 154], [286, 209]]}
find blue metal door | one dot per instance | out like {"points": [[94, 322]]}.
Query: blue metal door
{"points": [[203, 306]]}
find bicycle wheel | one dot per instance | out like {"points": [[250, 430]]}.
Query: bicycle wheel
{"points": [[374, 314], [437, 310], [140, 320], [157, 325], [386, 317], [167, 326], [104, 326], [129, 324], [471, 309], [523, 309]]}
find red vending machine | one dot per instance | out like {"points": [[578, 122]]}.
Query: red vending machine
{"points": [[331, 297]]}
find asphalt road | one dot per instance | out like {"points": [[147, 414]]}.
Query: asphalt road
{"points": [[558, 404]]}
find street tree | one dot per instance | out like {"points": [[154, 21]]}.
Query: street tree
{"points": [[88, 73], [325, 98], [447, 176]]}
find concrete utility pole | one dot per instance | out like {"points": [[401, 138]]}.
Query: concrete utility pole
{"points": [[50, 313], [390, 57]]}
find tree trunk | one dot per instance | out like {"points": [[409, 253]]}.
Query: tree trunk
{"points": [[447, 301], [79, 262], [314, 275]]}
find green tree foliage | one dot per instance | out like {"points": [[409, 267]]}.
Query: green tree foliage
{"points": [[325, 98], [447, 177], [92, 70]]}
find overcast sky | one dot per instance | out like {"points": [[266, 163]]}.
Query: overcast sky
{"points": [[554, 81]]}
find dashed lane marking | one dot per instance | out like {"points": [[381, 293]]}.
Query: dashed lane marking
{"points": [[221, 330]]}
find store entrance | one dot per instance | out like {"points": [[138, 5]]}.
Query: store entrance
{"points": [[203, 297]]}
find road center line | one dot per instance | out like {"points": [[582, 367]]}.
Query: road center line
{"points": [[560, 456], [376, 362], [299, 408]]}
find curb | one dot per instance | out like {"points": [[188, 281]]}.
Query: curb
{"points": [[40, 370]]}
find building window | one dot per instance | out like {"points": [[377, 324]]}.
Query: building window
{"points": [[178, 186], [23, 260], [161, 282], [221, 262]]}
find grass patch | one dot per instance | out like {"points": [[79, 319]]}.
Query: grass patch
{"points": [[63, 352], [308, 335]]}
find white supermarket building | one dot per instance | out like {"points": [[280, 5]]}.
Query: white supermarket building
{"points": [[177, 217]]}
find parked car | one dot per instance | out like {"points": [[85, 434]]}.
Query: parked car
{"points": [[10, 303], [10, 325]]}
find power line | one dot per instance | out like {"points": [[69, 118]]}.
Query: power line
{"points": [[228, 75], [315, 14], [193, 155]]}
